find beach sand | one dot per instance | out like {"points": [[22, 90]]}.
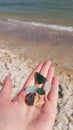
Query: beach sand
{"points": [[21, 52]]}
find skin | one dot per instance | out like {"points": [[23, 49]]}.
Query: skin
{"points": [[16, 115]]}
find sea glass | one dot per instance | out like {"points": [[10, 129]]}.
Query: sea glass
{"points": [[40, 91], [31, 89], [30, 98], [47, 86], [40, 78]]}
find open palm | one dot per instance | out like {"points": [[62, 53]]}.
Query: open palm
{"points": [[17, 115]]}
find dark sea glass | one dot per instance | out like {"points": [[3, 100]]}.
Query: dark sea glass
{"points": [[40, 91], [40, 78]]}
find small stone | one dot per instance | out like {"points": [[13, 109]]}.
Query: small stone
{"points": [[40, 91], [29, 99], [31, 89], [40, 78], [60, 94], [72, 114], [47, 86], [60, 87]]}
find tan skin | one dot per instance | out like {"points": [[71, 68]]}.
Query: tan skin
{"points": [[16, 115]]}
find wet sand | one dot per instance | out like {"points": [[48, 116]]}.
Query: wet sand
{"points": [[23, 47]]}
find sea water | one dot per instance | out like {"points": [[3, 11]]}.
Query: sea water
{"points": [[47, 11]]}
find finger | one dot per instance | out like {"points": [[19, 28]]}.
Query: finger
{"points": [[44, 70], [31, 79], [6, 89], [53, 95], [50, 74], [51, 99]]}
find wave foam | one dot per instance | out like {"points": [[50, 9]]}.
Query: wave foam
{"points": [[50, 26]]}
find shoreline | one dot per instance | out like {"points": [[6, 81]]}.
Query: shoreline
{"points": [[23, 16], [43, 49]]}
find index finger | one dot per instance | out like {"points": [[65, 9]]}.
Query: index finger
{"points": [[31, 79]]}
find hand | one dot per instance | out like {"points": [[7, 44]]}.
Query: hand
{"points": [[16, 115]]}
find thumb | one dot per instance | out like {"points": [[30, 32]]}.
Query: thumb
{"points": [[7, 88]]}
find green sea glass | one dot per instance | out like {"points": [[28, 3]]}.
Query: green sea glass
{"points": [[40, 78], [40, 91]]}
